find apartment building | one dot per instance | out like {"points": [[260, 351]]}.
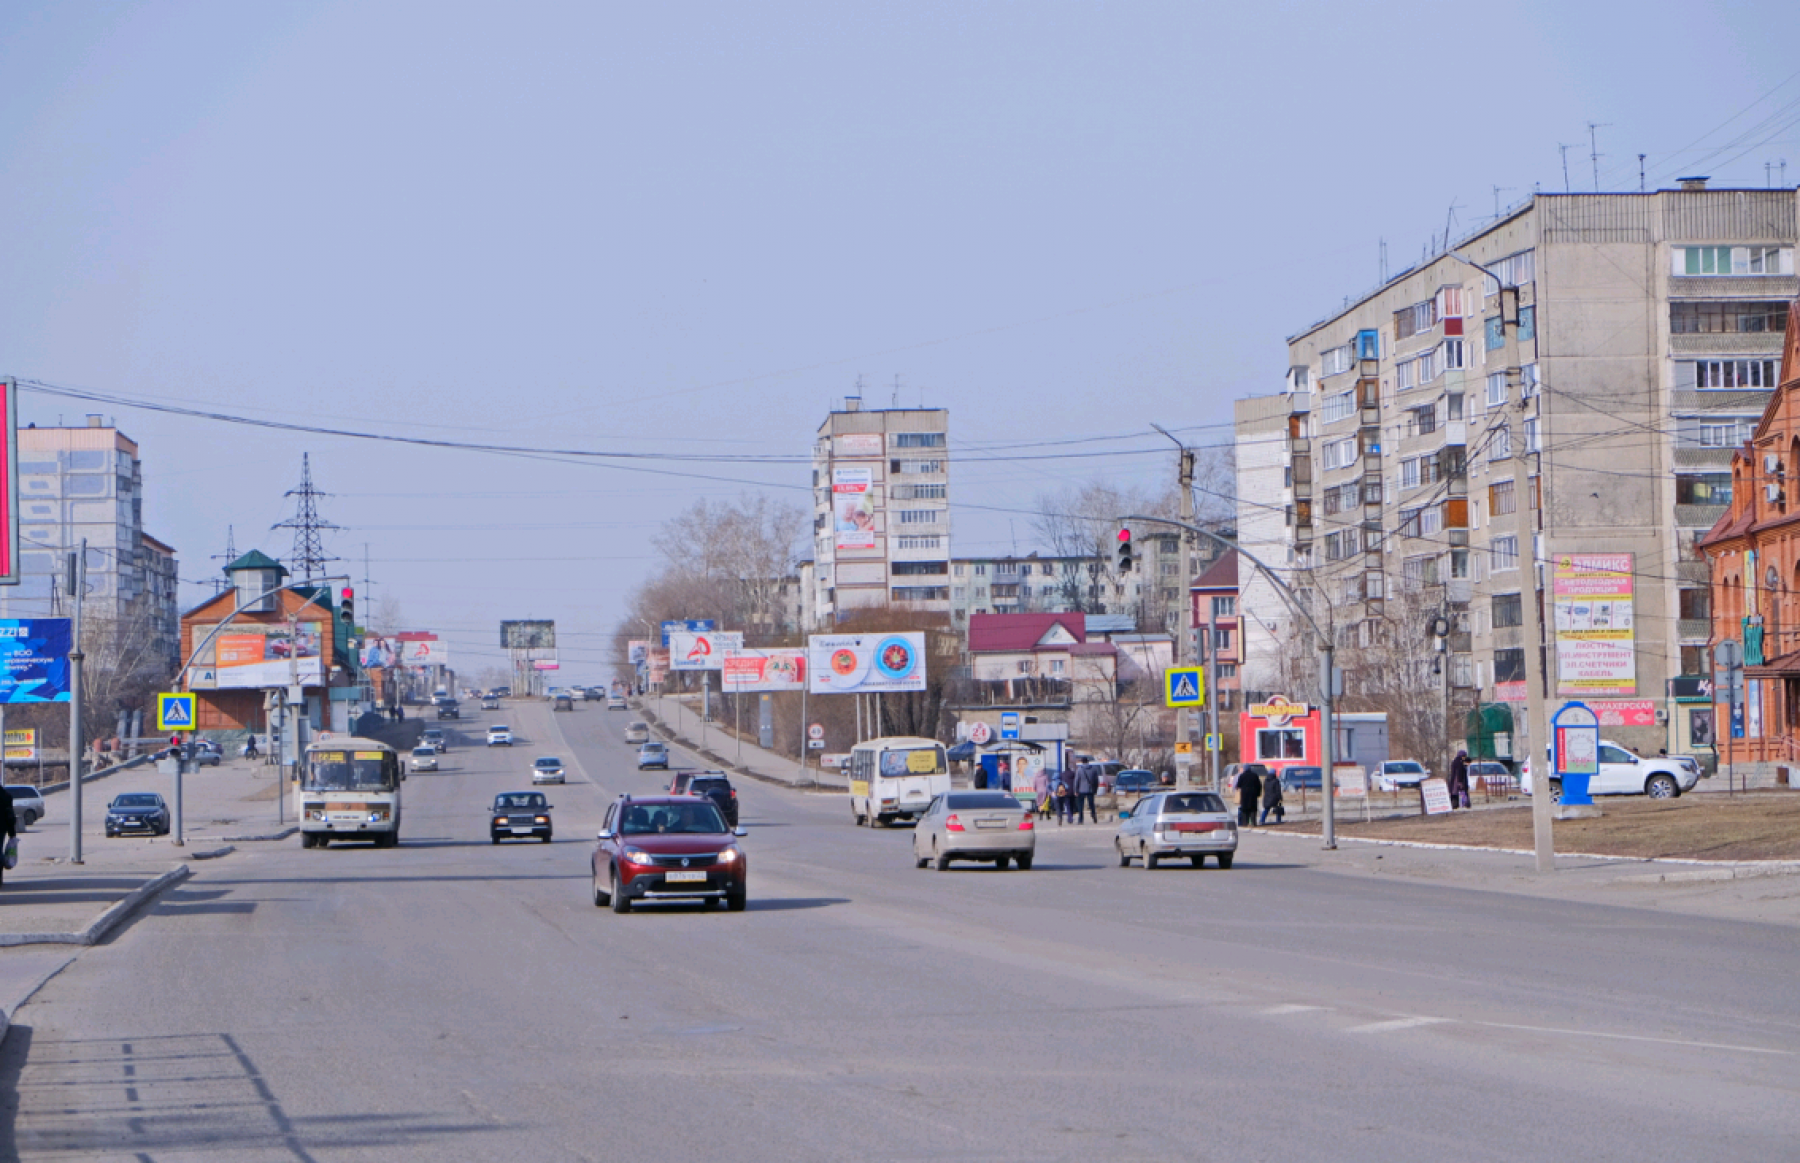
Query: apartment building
{"points": [[881, 511], [87, 483], [1035, 584], [1648, 335]]}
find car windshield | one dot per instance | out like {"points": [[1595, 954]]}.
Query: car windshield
{"points": [[426, 752], [135, 801], [1192, 802], [519, 801], [653, 747], [979, 801], [350, 771], [706, 785], [548, 762], [1404, 767], [667, 819]]}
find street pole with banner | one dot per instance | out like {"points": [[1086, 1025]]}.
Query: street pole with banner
{"points": [[1728, 677], [77, 588]]}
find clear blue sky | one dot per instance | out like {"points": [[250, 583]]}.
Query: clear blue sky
{"points": [[688, 228]]}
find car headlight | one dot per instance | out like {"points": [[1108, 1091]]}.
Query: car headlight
{"points": [[543, 820], [729, 856], [499, 819], [637, 856]]}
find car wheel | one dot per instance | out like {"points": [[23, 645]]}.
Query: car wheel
{"points": [[321, 840], [1198, 861], [1002, 863], [1662, 787], [600, 898], [545, 837], [1119, 847], [1024, 859], [1149, 857], [495, 837], [736, 899], [1225, 859], [30, 818], [876, 821], [620, 903], [943, 858], [919, 861]]}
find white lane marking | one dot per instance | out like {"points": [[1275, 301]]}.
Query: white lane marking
{"points": [[1634, 1038], [1277, 1010], [1395, 1024]]}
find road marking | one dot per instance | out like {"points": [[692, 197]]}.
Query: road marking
{"points": [[1395, 1024], [1275, 1011], [1635, 1038]]}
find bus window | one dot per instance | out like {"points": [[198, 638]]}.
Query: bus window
{"points": [[351, 771]]}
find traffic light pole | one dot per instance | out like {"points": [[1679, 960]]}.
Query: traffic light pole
{"points": [[1327, 671]]}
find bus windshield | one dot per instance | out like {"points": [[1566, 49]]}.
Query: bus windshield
{"points": [[912, 761], [351, 771]]}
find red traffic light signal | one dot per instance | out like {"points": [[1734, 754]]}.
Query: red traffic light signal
{"points": [[347, 607], [1124, 550]]}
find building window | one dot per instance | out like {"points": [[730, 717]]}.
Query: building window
{"points": [[1455, 357], [918, 440], [1496, 389], [1729, 374], [1501, 499], [1420, 571], [1280, 743], [1493, 333], [1221, 638], [919, 542], [916, 466], [1056, 666], [956, 570], [1727, 317], [1509, 610], [1527, 323], [1421, 421], [1509, 665], [1406, 375], [1334, 361], [1459, 564], [1339, 406], [1409, 321], [1501, 446], [1503, 554], [1516, 270], [1733, 260], [1449, 302], [919, 568], [1224, 607], [981, 569], [921, 516], [1339, 453], [1713, 488], [1727, 435], [921, 593]]}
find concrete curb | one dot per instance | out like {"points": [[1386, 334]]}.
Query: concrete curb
{"points": [[213, 854], [281, 835], [1749, 867], [105, 922], [30, 992]]}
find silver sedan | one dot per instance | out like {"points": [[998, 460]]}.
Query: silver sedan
{"points": [[978, 825], [1194, 824]]}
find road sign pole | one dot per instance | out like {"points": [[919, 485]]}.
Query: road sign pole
{"points": [[77, 587]]}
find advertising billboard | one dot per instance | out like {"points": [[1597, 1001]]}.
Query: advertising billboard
{"points": [[253, 656], [9, 484], [867, 444], [659, 663], [858, 663], [764, 670], [637, 651], [34, 660], [691, 625], [702, 651], [528, 635], [853, 507], [21, 745], [1596, 641], [418, 649]]}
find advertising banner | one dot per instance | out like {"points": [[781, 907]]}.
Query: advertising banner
{"points": [[378, 653], [853, 507], [659, 664], [764, 670], [545, 664], [703, 651], [1596, 641], [255, 656], [859, 444], [528, 635], [638, 651], [691, 625], [422, 650], [854, 663], [1625, 712], [34, 660], [21, 745]]}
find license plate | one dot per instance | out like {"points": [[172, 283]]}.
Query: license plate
{"points": [[521, 831], [684, 877], [990, 823]]}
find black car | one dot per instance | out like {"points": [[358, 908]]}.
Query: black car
{"points": [[520, 815], [1135, 782], [137, 811], [1295, 778], [449, 711], [717, 788]]}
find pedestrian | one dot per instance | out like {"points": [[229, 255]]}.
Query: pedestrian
{"points": [[1459, 779], [1040, 787], [1086, 784], [9, 830], [1271, 799], [1065, 795], [1249, 789], [1004, 771], [399, 712], [250, 751]]}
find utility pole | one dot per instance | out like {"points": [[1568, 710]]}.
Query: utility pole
{"points": [[309, 554], [230, 555], [77, 589], [1184, 752], [1213, 730]]}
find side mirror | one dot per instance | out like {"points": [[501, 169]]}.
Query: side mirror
{"points": [[604, 836], [740, 831], [1125, 813]]}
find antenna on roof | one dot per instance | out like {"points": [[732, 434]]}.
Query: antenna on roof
{"points": [[1594, 153]]}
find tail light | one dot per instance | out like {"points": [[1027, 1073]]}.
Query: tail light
{"points": [[1025, 824], [952, 824]]}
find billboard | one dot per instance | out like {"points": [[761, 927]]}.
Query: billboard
{"points": [[866, 444], [546, 664], [1596, 641], [22, 744], [9, 484], [418, 649], [691, 625], [764, 670], [702, 651], [637, 651], [659, 663], [528, 635], [256, 655], [856, 663], [34, 660], [853, 507]]}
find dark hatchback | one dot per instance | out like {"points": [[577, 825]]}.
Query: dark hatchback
{"points": [[1295, 778], [520, 815], [713, 784], [1136, 782], [668, 848]]}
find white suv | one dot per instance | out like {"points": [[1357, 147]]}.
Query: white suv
{"points": [[1398, 773], [1625, 774], [499, 736]]}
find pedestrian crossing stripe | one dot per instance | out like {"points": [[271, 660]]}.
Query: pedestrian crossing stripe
{"points": [[1184, 686], [174, 712]]}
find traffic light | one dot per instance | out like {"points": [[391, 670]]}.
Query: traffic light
{"points": [[1124, 551], [347, 608]]}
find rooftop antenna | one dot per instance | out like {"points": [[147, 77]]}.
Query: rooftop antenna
{"points": [[896, 403], [1565, 156], [1594, 154], [309, 556], [230, 555], [1384, 269], [1449, 217], [1641, 187], [1498, 190]]}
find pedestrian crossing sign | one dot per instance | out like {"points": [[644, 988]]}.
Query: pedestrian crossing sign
{"points": [[175, 712], [1184, 686]]}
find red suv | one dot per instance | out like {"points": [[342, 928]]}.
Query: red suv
{"points": [[658, 848]]}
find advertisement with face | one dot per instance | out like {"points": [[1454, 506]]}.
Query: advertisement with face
{"points": [[378, 653], [865, 663], [638, 651], [257, 656], [853, 507], [764, 670]]}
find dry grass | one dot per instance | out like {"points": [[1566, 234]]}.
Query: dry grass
{"points": [[1753, 826]]}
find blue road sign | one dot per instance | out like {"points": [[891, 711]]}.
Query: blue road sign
{"points": [[175, 712], [690, 626], [1009, 724], [1184, 686]]}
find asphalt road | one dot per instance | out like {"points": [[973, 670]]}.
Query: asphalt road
{"points": [[454, 1000]]}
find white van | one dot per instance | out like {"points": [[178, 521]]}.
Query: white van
{"points": [[896, 778]]}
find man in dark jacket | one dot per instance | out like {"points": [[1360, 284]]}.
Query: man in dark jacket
{"points": [[1271, 799], [1087, 784], [1459, 780], [9, 828], [1249, 789]]}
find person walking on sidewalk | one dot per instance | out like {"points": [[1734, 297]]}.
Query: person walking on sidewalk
{"points": [[1271, 799], [1086, 785], [1249, 789], [1459, 779], [9, 830], [1040, 787], [1065, 795]]}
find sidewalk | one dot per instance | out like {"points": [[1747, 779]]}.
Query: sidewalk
{"points": [[679, 722]]}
